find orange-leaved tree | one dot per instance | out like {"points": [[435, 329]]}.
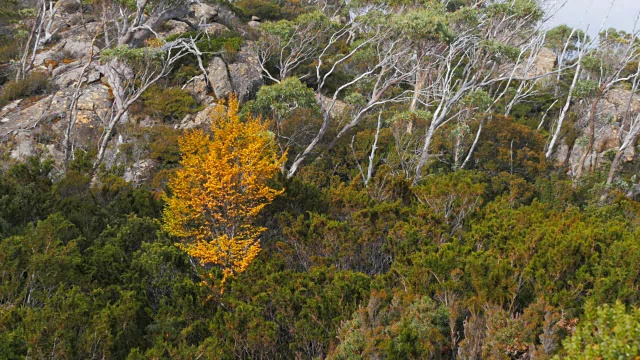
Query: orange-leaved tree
{"points": [[220, 188]]}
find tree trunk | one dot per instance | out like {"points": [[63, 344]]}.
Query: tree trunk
{"points": [[592, 130], [563, 113], [473, 146], [424, 155]]}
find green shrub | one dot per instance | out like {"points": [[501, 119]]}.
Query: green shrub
{"points": [[266, 10], [212, 44], [270, 10], [169, 104], [34, 83], [605, 332]]}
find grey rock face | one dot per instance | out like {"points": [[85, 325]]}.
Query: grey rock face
{"points": [[173, 27], [245, 74], [197, 87], [78, 48], [140, 171], [219, 78], [215, 29], [241, 77], [204, 13], [26, 122], [608, 135], [199, 119], [544, 63]]}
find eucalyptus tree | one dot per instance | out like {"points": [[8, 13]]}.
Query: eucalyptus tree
{"points": [[289, 46], [41, 33], [490, 43], [130, 72], [567, 44], [360, 61], [607, 66], [582, 46], [630, 127], [132, 22]]}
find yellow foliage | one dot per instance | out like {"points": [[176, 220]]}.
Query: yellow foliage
{"points": [[220, 189]]}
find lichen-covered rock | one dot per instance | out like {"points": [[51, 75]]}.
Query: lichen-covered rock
{"points": [[226, 16], [140, 171], [204, 13], [544, 63], [67, 6], [24, 146], [78, 47], [10, 107], [339, 108], [197, 87], [241, 77], [29, 120], [215, 29], [246, 77], [174, 27], [199, 119], [218, 74], [608, 137], [68, 73]]}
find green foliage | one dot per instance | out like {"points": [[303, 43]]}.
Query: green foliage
{"points": [[585, 88], [508, 146], [501, 51], [520, 8], [168, 104], [279, 100], [271, 9], [429, 23], [35, 83], [563, 36], [460, 259], [606, 332], [500, 261], [394, 327]]}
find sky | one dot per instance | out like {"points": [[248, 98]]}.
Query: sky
{"points": [[593, 13]]}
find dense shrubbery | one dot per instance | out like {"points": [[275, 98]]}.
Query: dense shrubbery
{"points": [[463, 263], [502, 256], [36, 83], [168, 104]]}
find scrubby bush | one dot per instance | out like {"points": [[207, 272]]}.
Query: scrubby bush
{"points": [[270, 10], [168, 104], [606, 332], [35, 83]]}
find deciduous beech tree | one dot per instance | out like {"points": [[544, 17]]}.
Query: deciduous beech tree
{"points": [[221, 188]]}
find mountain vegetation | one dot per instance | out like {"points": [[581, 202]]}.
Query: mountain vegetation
{"points": [[295, 179]]}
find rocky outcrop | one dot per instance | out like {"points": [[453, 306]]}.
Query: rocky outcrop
{"points": [[215, 29], [338, 109], [204, 13], [140, 171], [37, 125], [219, 77], [544, 63], [255, 22], [246, 78], [608, 135], [199, 119], [25, 121], [242, 76]]}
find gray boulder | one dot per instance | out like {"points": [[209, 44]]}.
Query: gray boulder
{"points": [[218, 74], [242, 77]]}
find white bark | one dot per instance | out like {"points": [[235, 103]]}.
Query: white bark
{"points": [[128, 85]]}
